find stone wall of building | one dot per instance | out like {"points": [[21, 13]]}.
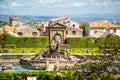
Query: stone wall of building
{"points": [[26, 31], [74, 32]]}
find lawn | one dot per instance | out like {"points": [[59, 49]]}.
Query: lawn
{"points": [[25, 50], [72, 50], [84, 50]]}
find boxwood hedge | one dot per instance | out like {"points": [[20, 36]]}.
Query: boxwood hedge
{"points": [[73, 42], [23, 42], [91, 42]]}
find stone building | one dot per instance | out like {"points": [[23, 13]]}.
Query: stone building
{"points": [[8, 28], [26, 30], [73, 32], [72, 29], [72, 26], [99, 28], [42, 27], [13, 21], [1, 30]]}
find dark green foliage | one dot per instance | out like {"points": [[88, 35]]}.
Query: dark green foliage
{"points": [[112, 39], [88, 42], [73, 42], [81, 42], [23, 42], [67, 75], [10, 46]]}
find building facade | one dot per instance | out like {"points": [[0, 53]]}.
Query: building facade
{"points": [[13, 21], [71, 30], [26, 30], [1, 30], [99, 28]]}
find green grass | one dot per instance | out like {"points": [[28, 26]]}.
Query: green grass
{"points": [[83, 50], [72, 50], [26, 50]]}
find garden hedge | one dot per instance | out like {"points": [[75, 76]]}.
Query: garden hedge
{"points": [[23, 42], [73, 42], [90, 42]]}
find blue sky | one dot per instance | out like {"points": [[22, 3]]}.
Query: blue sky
{"points": [[59, 7]]}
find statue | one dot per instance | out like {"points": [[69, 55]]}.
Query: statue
{"points": [[57, 40]]}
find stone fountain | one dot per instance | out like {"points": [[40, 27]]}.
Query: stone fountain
{"points": [[56, 56]]}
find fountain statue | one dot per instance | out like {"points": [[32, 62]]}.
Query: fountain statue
{"points": [[56, 56]]}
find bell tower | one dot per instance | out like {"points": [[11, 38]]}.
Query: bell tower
{"points": [[13, 21]]}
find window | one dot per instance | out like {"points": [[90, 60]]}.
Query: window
{"points": [[114, 30], [73, 25], [34, 33], [108, 30], [95, 31], [66, 32], [20, 33], [73, 32], [39, 29]]}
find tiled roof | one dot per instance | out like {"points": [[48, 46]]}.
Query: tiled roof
{"points": [[103, 24], [8, 28]]}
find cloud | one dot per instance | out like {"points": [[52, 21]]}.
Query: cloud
{"points": [[79, 4], [2, 7], [51, 1], [101, 4], [116, 3], [15, 4]]}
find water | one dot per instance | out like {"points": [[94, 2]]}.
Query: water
{"points": [[18, 67]]}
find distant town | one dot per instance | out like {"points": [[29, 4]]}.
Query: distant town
{"points": [[59, 39], [74, 29]]}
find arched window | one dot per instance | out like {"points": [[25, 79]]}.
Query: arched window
{"points": [[73, 25], [34, 33], [73, 32], [39, 29], [114, 30], [20, 33], [66, 32]]}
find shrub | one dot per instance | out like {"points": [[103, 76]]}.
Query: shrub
{"points": [[73, 42], [10, 46], [0, 46], [23, 42], [86, 42]]}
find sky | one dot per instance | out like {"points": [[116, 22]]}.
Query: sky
{"points": [[59, 7]]}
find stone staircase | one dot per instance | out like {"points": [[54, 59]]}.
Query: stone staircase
{"points": [[50, 67]]}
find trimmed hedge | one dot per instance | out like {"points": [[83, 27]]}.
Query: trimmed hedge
{"points": [[87, 42], [73, 42], [23, 42]]}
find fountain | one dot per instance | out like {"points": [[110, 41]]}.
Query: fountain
{"points": [[56, 56]]}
